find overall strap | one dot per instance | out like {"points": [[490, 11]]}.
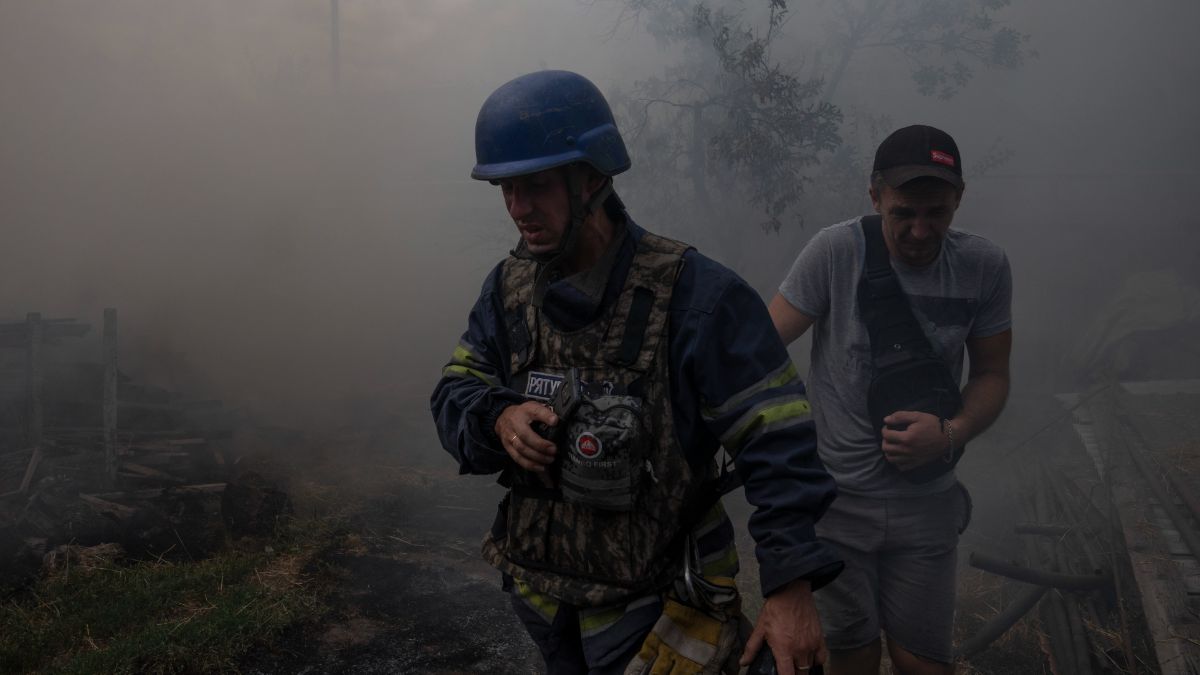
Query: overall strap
{"points": [[880, 280], [635, 327], [520, 314], [642, 314], [895, 333]]}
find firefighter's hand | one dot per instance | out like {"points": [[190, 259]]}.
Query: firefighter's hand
{"points": [[515, 431], [922, 440], [789, 623]]}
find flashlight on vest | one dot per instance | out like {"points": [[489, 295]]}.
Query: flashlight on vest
{"points": [[566, 400]]}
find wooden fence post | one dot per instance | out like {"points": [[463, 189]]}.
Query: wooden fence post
{"points": [[110, 395], [33, 414]]}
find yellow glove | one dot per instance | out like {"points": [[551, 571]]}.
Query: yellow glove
{"points": [[686, 641]]}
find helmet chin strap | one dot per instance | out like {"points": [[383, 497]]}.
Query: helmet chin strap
{"points": [[552, 261]]}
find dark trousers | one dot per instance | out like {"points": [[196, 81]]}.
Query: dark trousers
{"points": [[561, 646]]}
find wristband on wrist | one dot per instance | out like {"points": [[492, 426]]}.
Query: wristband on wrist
{"points": [[948, 429]]}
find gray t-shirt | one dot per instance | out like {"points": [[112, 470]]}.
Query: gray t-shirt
{"points": [[965, 293]]}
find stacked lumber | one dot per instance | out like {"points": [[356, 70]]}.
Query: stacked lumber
{"points": [[88, 456]]}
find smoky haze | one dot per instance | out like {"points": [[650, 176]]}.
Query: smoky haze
{"points": [[267, 237], [299, 248]]}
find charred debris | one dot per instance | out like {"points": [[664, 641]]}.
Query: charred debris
{"points": [[88, 457], [1103, 562]]}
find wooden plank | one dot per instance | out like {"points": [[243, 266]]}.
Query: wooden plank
{"points": [[33, 381], [205, 406], [136, 436], [1177, 520], [177, 434], [1158, 578], [1186, 494], [132, 469], [144, 455], [103, 506], [151, 493], [1190, 569], [75, 431], [12, 453], [34, 460], [184, 448], [33, 418]]}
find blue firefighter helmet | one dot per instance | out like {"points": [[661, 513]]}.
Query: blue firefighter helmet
{"points": [[546, 119]]}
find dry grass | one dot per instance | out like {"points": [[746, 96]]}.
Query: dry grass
{"points": [[1018, 651], [91, 613], [1182, 459]]}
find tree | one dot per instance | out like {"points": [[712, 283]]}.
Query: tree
{"points": [[943, 41], [730, 113], [736, 114]]}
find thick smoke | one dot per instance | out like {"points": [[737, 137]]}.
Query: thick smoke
{"points": [[302, 247]]}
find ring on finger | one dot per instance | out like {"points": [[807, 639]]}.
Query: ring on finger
{"points": [[513, 439]]}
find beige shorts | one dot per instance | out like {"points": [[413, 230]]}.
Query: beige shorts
{"points": [[900, 559]]}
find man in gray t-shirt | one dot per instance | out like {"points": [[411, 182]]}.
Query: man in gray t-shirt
{"points": [[898, 536]]}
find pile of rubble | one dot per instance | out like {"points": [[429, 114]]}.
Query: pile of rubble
{"points": [[89, 457]]}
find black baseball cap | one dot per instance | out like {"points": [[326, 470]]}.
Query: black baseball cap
{"points": [[916, 152]]}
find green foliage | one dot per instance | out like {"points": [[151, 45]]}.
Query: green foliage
{"points": [[942, 41], [154, 617], [775, 123], [731, 114], [734, 114]]}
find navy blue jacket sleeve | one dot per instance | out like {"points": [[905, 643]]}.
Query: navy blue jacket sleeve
{"points": [[474, 387], [752, 400]]}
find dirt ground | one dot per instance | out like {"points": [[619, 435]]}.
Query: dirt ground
{"points": [[410, 594]]}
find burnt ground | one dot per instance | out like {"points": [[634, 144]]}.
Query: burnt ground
{"points": [[407, 589], [409, 592]]}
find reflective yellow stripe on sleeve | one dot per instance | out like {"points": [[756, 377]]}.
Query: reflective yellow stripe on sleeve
{"points": [[769, 415], [784, 374], [463, 363]]}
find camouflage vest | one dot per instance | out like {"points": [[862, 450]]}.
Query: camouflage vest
{"points": [[618, 536]]}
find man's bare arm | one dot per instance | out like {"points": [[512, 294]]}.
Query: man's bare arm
{"points": [[987, 385], [924, 438], [789, 322]]}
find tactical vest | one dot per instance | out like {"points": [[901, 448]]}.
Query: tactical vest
{"points": [[607, 528]]}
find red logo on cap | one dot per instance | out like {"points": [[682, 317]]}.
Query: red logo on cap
{"points": [[941, 157], [588, 445]]}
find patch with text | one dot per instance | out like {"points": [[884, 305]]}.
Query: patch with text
{"points": [[542, 386]]}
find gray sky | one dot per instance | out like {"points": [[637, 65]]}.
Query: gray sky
{"points": [[282, 245]]}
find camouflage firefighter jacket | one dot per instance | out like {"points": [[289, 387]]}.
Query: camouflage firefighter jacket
{"points": [[729, 382]]}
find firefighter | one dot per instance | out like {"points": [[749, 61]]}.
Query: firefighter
{"points": [[602, 368]]}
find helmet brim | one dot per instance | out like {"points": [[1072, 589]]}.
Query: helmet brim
{"points": [[524, 167]]}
